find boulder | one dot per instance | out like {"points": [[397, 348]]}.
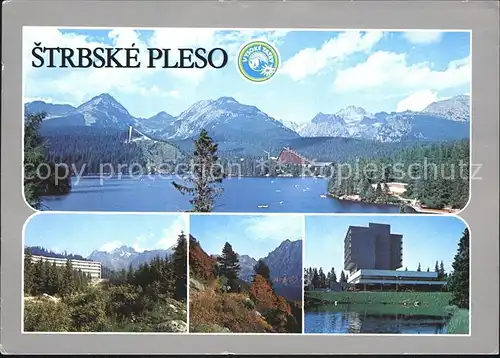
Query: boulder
{"points": [[173, 326], [196, 285]]}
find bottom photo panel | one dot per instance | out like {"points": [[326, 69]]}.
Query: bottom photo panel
{"points": [[386, 275], [105, 273], [245, 273]]}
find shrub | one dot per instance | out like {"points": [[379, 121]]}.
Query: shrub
{"points": [[46, 316]]}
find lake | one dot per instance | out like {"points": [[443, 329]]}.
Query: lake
{"points": [[374, 319], [156, 194]]}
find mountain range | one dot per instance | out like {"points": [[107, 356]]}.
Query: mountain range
{"points": [[124, 256], [232, 123], [284, 262], [285, 267], [120, 258]]}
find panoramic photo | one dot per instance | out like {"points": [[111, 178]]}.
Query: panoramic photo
{"points": [[129, 275], [340, 122], [386, 275], [245, 274]]}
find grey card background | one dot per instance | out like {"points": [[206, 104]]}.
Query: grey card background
{"points": [[482, 213]]}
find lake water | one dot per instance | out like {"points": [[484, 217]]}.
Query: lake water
{"points": [[156, 194], [374, 319]]}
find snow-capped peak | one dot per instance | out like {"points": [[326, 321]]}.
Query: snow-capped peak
{"points": [[352, 114], [123, 251]]}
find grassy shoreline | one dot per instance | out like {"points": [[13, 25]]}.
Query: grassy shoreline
{"points": [[418, 301]]}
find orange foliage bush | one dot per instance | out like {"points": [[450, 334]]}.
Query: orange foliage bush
{"points": [[225, 310], [264, 296], [201, 265]]}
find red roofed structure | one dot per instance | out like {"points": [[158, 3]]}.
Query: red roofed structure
{"points": [[289, 156]]}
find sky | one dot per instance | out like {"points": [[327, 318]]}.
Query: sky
{"points": [[252, 235], [83, 233], [425, 239], [321, 71]]}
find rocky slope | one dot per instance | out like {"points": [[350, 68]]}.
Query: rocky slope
{"points": [[233, 124], [443, 120]]}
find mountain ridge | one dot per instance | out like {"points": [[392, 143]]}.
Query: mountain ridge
{"points": [[124, 256], [284, 262], [228, 120]]}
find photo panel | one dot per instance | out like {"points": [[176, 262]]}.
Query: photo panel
{"points": [[245, 274], [105, 273], [285, 120], [401, 275]]}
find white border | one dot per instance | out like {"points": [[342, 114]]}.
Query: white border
{"points": [[260, 29], [186, 229], [406, 334], [304, 244], [333, 30]]}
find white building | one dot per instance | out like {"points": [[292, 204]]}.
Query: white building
{"points": [[394, 277], [89, 267]]}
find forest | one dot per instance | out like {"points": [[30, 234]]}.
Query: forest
{"points": [[437, 176], [221, 302], [41, 175], [151, 298], [316, 279], [85, 149]]}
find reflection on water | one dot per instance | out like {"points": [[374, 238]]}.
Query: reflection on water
{"points": [[373, 319], [156, 193]]}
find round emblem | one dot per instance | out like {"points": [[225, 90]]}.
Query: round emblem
{"points": [[258, 61]]}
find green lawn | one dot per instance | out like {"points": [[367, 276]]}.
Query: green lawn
{"points": [[459, 321], [423, 298]]}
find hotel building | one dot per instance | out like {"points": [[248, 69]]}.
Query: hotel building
{"points": [[88, 267], [373, 255]]}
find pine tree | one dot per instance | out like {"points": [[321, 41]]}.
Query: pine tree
{"points": [[365, 188], [458, 281], [386, 190], [229, 264], [130, 273], [406, 268], [428, 269], [180, 267], [262, 269], [34, 156], [206, 174], [316, 281], [419, 268], [322, 278], [436, 269], [442, 272], [342, 277], [68, 279], [29, 273], [333, 276]]}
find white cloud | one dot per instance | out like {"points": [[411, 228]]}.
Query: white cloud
{"points": [[311, 61], [276, 228], [38, 98], [150, 241], [174, 94], [110, 246], [417, 101], [138, 244], [423, 37], [76, 85], [391, 73], [170, 234]]}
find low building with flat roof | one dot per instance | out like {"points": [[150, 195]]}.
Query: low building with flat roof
{"points": [[93, 268], [379, 279]]}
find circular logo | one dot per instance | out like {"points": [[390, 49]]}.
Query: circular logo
{"points": [[258, 61]]}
